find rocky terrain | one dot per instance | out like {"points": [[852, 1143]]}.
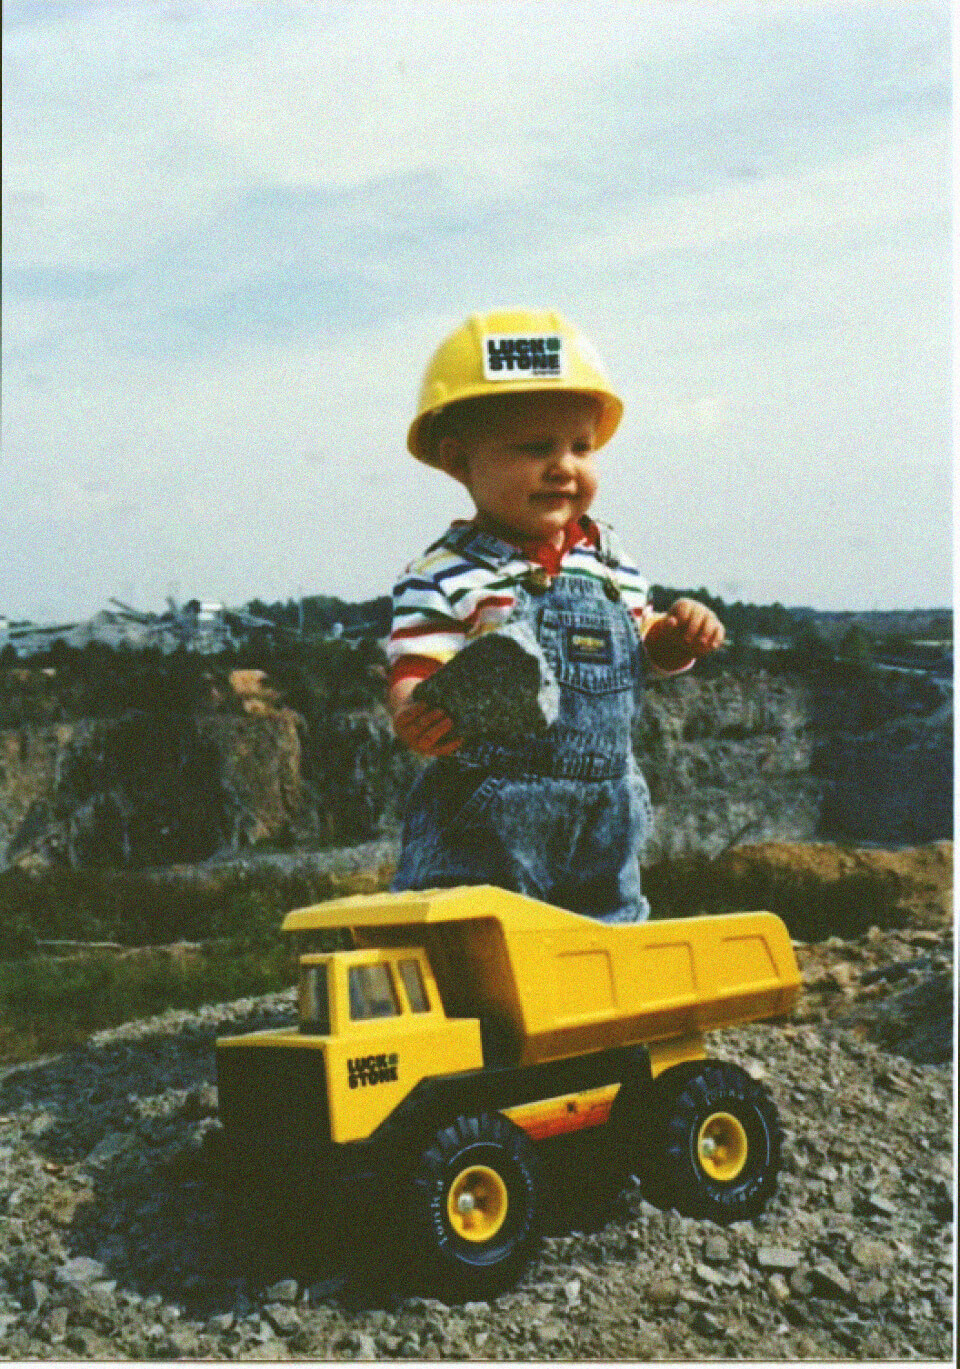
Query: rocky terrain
{"points": [[110, 1240], [110, 1245], [762, 756]]}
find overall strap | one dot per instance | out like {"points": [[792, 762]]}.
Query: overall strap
{"points": [[609, 551], [475, 545]]}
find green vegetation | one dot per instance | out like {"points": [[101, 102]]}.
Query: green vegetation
{"points": [[52, 998], [320, 612], [53, 1004], [97, 681], [314, 673], [91, 905], [857, 649], [134, 909], [740, 619], [841, 644]]}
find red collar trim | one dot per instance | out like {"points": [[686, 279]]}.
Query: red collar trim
{"points": [[550, 557]]}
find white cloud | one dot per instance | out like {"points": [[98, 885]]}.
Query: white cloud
{"points": [[122, 126]]}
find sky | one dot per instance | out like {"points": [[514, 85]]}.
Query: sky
{"points": [[235, 232]]}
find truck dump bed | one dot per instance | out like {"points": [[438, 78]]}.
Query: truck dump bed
{"points": [[566, 984]]}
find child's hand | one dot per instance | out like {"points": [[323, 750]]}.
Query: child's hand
{"points": [[428, 731], [674, 640], [695, 626]]}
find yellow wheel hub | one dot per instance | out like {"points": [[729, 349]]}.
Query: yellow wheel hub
{"points": [[722, 1146], [477, 1203]]}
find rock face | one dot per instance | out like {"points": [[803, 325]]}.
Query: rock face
{"points": [[761, 757], [892, 783], [148, 789], [730, 757], [726, 758], [28, 764], [110, 1244]]}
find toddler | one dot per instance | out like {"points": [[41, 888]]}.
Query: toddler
{"points": [[515, 405]]}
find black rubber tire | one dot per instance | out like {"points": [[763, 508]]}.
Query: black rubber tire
{"points": [[461, 1269], [688, 1101], [644, 1116]]}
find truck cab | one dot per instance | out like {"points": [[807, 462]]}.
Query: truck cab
{"points": [[378, 1017]]}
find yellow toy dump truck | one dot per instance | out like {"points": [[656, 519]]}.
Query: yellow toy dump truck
{"points": [[435, 1060]]}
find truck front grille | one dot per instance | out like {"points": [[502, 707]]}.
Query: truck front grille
{"points": [[274, 1099]]}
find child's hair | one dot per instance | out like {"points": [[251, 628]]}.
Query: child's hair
{"points": [[464, 418]]}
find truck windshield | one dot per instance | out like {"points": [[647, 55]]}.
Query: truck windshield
{"points": [[371, 992], [314, 1003]]}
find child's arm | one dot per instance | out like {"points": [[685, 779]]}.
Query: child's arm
{"points": [[687, 631], [428, 731], [426, 631]]}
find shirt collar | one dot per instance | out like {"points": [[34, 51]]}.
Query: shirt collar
{"points": [[470, 540]]}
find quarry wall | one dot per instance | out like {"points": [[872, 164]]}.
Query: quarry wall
{"points": [[731, 758]]}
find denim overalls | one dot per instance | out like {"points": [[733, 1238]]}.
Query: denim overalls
{"points": [[562, 816]]}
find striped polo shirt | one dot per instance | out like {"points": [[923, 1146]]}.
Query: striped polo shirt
{"points": [[445, 599]]}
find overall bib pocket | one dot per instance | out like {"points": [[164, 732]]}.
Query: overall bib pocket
{"points": [[588, 650]]}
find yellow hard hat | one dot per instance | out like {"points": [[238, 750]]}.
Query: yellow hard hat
{"points": [[511, 350]]}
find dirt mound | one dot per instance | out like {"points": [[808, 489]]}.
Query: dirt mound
{"points": [[866, 887], [894, 988], [819, 890]]}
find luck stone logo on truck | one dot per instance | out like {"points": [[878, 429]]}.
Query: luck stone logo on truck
{"points": [[363, 1070]]}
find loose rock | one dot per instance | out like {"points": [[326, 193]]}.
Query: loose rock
{"points": [[777, 1257], [779, 1288], [876, 1202], [873, 1256], [282, 1318], [284, 1291], [708, 1325], [828, 1280], [79, 1272], [716, 1249]]}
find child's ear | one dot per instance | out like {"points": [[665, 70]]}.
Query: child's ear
{"points": [[452, 455]]}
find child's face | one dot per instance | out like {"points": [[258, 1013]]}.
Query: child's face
{"points": [[531, 469]]}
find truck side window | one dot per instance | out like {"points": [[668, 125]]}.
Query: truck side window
{"points": [[413, 983], [371, 992]]}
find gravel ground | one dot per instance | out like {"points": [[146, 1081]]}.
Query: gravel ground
{"points": [[109, 1232]]}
